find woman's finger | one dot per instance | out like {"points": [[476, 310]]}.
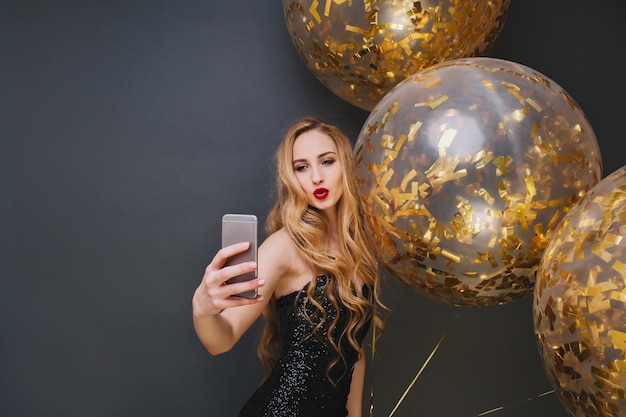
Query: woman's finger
{"points": [[226, 252]]}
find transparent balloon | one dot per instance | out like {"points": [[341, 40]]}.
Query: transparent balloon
{"points": [[361, 49], [466, 168], [579, 304]]}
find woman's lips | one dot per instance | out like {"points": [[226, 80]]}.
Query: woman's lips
{"points": [[320, 193]]}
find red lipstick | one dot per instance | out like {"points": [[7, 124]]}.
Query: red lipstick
{"points": [[320, 193]]}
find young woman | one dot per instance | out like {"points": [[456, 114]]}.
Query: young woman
{"points": [[318, 285]]}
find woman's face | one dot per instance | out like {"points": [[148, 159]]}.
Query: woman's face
{"points": [[318, 169]]}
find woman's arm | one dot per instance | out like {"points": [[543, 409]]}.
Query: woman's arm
{"points": [[220, 319], [217, 328], [355, 398]]}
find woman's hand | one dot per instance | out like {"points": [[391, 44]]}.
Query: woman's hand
{"points": [[213, 295]]}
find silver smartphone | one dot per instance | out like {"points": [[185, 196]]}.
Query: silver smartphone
{"points": [[237, 228]]}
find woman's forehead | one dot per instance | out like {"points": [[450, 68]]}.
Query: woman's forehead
{"points": [[312, 144]]}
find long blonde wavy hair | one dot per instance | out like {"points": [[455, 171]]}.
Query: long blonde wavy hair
{"points": [[309, 230]]}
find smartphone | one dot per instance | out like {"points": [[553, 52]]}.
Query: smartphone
{"points": [[237, 228]]}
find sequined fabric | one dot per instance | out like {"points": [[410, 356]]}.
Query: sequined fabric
{"points": [[298, 385]]}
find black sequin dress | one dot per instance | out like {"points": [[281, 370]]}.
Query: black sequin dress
{"points": [[298, 385]]}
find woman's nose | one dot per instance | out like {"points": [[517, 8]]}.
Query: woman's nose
{"points": [[316, 176]]}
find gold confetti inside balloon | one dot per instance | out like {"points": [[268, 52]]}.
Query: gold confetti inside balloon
{"points": [[466, 168], [361, 49], [580, 303]]}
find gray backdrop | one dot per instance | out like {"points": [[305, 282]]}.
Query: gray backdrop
{"points": [[128, 128]]}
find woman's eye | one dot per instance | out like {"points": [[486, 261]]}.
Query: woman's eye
{"points": [[300, 168], [328, 161]]}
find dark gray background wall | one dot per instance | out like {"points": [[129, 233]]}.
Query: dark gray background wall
{"points": [[128, 128]]}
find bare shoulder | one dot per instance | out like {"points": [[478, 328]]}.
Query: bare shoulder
{"points": [[276, 250], [279, 256], [278, 237]]}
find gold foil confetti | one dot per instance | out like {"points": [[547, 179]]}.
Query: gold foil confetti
{"points": [[466, 182], [408, 177], [360, 50], [580, 303], [447, 137], [533, 104], [313, 11], [433, 104]]}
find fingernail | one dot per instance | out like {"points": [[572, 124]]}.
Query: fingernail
{"points": [[261, 282]]}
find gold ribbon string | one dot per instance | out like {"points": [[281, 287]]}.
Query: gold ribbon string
{"points": [[372, 371], [493, 410], [424, 365]]}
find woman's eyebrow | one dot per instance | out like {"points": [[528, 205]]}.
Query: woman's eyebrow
{"points": [[322, 155]]}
